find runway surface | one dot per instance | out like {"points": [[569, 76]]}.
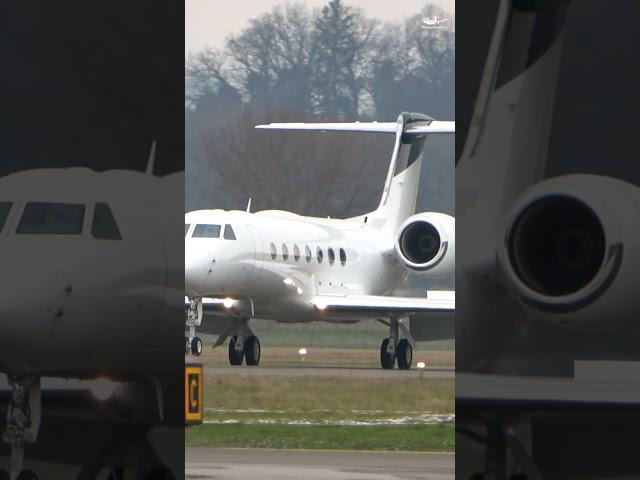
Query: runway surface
{"points": [[253, 464], [330, 372]]}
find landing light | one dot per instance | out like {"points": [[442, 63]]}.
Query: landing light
{"points": [[302, 351], [299, 290], [103, 389], [321, 306], [228, 302], [421, 365], [288, 281]]}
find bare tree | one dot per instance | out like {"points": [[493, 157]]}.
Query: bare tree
{"points": [[208, 81], [342, 38], [308, 173], [414, 66], [271, 59]]}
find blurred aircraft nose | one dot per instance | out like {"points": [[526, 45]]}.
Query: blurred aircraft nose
{"points": [[198, 266]]}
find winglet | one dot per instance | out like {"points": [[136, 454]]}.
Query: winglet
{"points": [[152, 159], [249, 206]]}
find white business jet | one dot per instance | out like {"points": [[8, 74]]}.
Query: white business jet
{"points": [[282, 266]]}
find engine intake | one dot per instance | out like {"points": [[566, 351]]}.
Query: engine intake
{"points": [[420, 242], [426, 243], [570, 250], [557, 245]]}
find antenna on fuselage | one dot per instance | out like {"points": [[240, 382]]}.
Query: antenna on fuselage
{"points": [[152, 159], [249, 206]]}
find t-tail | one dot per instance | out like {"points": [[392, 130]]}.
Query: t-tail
{"points": [[400, 192]]}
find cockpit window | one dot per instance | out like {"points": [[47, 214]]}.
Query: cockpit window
{"points": [[51, 219], [206, 231], [186, 229], [228, 233], [5, 208], [104, 225]]}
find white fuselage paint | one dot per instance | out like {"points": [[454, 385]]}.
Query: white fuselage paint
{"points": [[282, 289]]}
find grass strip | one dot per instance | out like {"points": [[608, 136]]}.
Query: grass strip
{"points": [[417, 438]]}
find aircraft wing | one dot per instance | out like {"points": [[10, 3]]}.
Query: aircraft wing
{"points": [[434, 127], [371, 305]]}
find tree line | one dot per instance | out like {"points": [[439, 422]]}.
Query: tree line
{"points": [[330, 62]]}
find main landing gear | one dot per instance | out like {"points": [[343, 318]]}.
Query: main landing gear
{"points": [[193, 319], [247, 350], [393, 349], [244, 345], [23, 422]]}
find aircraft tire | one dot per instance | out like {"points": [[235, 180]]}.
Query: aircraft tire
{"points": [[387, 361], [235, 357], [404, 354], [187, 348], [252, 350], [196, 346]]}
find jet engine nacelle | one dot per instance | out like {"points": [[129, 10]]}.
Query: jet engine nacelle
{"points": [[570, 250], [426, 244]]}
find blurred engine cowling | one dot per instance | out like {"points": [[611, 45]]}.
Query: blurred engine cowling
{"points": [[570, 247], [425, 244]]}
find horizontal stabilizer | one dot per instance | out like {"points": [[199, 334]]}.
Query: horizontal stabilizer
{"points": [[435, 127]]}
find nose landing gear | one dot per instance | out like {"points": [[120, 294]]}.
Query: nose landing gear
{"points": [[23, 421], [193, 344]]}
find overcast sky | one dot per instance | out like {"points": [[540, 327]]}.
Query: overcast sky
{"points": [[208, 22]]}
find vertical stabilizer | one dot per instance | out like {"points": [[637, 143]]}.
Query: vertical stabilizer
{"points": [[400, 192]]}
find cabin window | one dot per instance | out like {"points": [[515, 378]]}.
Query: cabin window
{"points": [[307, 253], [296, 253], [104, 225], [285, 252], [320, 255], [206, 231], [274, 251], [343, 257], [332, 256], [186, 229], [5, 208], [229, 233], [41, 218]]}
